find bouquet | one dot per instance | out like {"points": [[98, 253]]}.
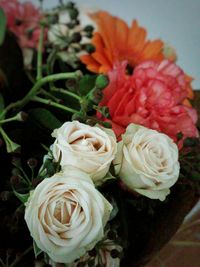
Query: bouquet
{"points": [[99, 139]]}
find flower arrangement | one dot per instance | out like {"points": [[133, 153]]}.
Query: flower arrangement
{"points": [[99, 139]]}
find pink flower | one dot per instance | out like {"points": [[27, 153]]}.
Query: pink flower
{"points": [[153, 97], [23, 20]]}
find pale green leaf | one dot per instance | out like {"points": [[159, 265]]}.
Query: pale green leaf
{"points": [[22, 197]]}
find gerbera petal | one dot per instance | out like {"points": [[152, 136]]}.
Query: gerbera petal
{"points": [[152, 50], [116, 42]]}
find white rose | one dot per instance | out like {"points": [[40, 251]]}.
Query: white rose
{"points": [[66, 215], [147, 162], [91, 149]]}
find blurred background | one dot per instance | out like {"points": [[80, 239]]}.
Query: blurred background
{"points": [[184, 248], [177, 22]]}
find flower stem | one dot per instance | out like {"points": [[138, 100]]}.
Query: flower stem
{"points": [[53, 104], [51, 78], [65, 92], [15, 118], [45, 93], [2, 263], [39, 54], [17, 260]]}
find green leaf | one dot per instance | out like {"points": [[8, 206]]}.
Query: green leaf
{"points": [[86, 84], [45, 118], [37, 250], [2, 26], [22, 197]]}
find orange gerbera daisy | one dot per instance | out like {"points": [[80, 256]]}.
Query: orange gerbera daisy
{"points": [[115, 42]]}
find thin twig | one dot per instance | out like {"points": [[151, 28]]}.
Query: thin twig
{"points": [[17, 260], [53, 104]]}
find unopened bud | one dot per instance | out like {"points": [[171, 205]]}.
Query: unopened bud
{"points": [[89, 34], [88, 28], [96, 96], [14, 180], [92, 253], [22, 116], [101, 81], [70, 5], [73, 12], [76, 37], [112, 235], [32, 163], [90, 48], [114, 253]]}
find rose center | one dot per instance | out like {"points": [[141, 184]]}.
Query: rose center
{"points": [[86, 143]]}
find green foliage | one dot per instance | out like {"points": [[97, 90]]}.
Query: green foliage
{"points": [[2, 26], [45, 118], [37, 250], [22, 197], [86, 84]]}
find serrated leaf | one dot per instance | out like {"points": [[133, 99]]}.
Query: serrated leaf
{"points": [[86, 84], [2, 26], [22, 197], [45, 118], [37, 250]]}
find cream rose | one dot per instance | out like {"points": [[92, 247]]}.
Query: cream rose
{"points": [[66, 215], [91, 149], [147, 161]]}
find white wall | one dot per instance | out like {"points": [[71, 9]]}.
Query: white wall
{"points": [[175, 21]]}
